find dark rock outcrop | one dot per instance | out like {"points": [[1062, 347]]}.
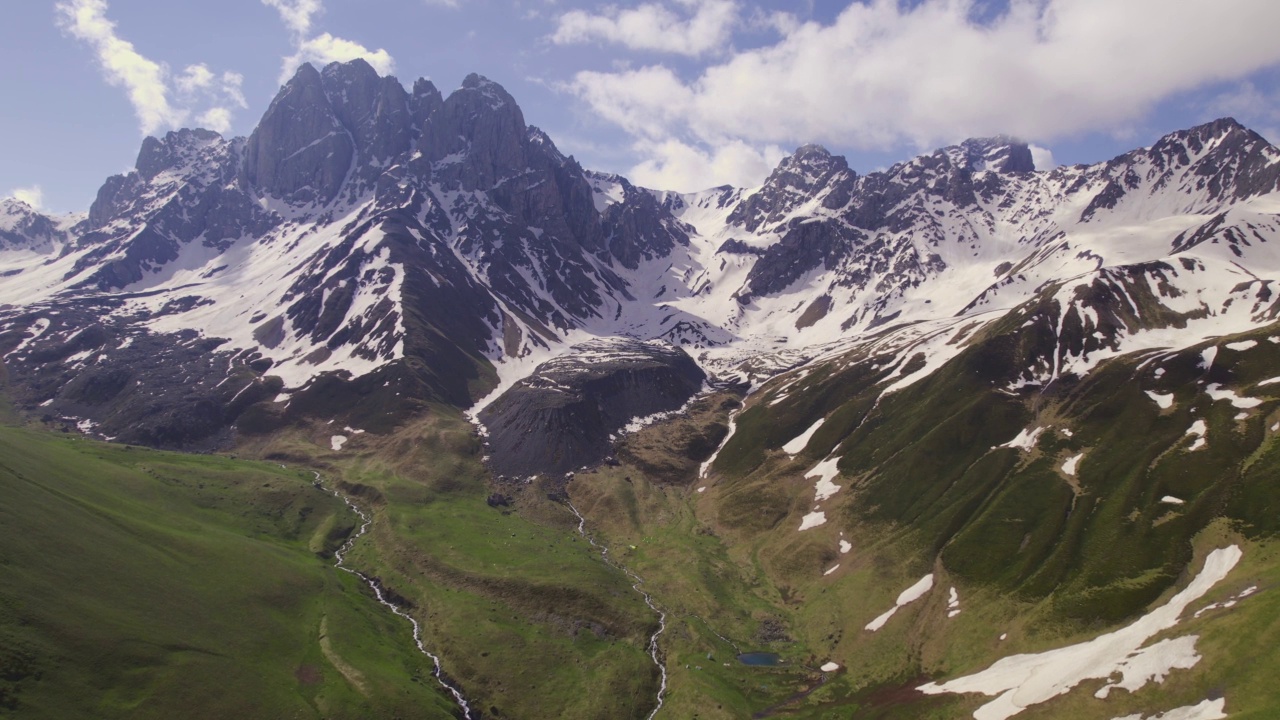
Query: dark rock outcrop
{"points": [[564, 415]]}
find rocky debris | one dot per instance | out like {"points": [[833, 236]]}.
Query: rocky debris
{"points": [[772, 630], [178, 392], [565, 414]]}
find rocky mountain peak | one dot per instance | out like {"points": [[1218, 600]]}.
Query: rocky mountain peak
{"points": [[481, 121], [808, 173], [490, 90], [809, 165], [423, 102], [999, 154], [24, 227], [299, 151], [176, 150]]}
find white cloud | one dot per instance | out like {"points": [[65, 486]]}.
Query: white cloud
{"points": [[1252, 106], [1042, 157], [452, 4], [217, 119], [889, 72], [325, 48], [674, 165], [33, 196], [655, 26], [122, 64], [233, 88], [298, 16], [160, 100], [195, 77]]}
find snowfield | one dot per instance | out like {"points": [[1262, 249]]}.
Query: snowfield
{"points": [[1020, 681]]}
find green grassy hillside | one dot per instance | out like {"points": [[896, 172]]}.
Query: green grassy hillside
{"points": [[1040, 557], [142, 584], [526, 618]]}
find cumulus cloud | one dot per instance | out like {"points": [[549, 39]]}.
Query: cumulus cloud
{"points": [[33, 196], [299, 16], [675, 165], [160, 100], [1252, 106], [325, 48], [1042, 157], [892, 72], [123, 66], [703, 27], [296, 14]]}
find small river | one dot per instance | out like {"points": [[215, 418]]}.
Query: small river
{"points": [[340, 556]]}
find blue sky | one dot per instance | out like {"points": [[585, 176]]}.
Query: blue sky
{"points": [[678, 94]]}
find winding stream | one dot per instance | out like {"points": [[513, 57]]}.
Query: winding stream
{"points": [[339, 556], [648, 600]]}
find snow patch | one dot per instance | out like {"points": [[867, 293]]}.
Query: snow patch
{"points": [[1198, 428], [825, 471], [1153, 664], [1025, 440], [1229, 602], [1208, 356], [1216, 392], [1242, 345], [1205, 710], [908, 596], [1069, 467], [845, 547], [833, 569], [337, 441], [1164, 401], [800, 442], [1171, 500], [37, 328], [1020, 681], [813, 520]]}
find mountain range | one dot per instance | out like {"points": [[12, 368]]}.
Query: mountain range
{"points": [[372, 254]]}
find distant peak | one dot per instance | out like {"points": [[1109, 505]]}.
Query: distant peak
{"points": [[305, 74], [1225, 133], [811, 150], [476, 81], [171, 151], [1222, 127], [999, 153], [496, 95], [351, 71], [814, 157], [423, 87]]}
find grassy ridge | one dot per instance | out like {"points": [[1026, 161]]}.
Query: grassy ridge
{"points": [[144, 584], [1039, 556], [527, 619]]}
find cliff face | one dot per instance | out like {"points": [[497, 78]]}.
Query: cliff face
{"points": [[565, 414]]}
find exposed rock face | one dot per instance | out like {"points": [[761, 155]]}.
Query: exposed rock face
{"points": [[366, 236], [563, 416], [22, 227], [300, 151]]}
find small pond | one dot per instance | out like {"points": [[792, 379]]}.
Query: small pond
{"points": [[760, 659]]}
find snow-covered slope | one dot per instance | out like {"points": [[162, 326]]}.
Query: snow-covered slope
{"points": [[366, 229]]}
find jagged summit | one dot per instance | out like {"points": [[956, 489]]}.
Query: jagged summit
{"points": [[1001, 154], [366, 235]]}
